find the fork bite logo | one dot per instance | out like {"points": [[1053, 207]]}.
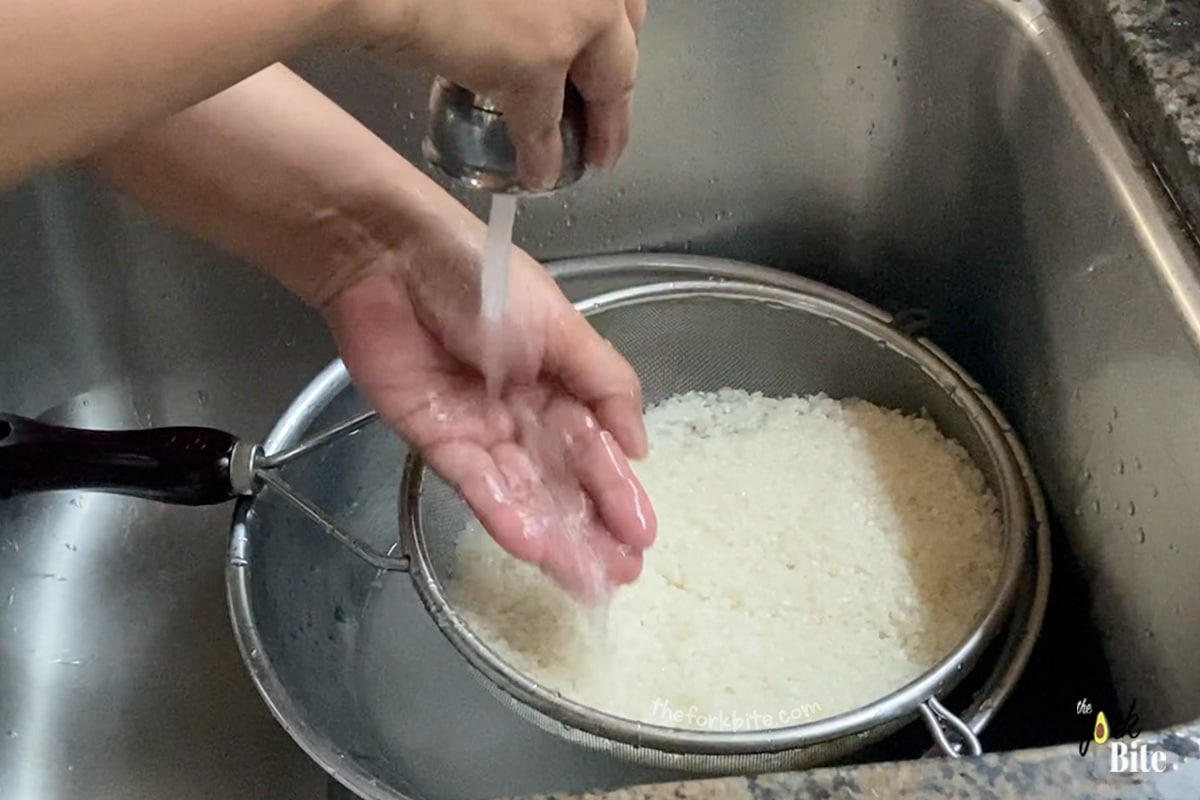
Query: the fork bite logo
{"points": [[1130, 757]]}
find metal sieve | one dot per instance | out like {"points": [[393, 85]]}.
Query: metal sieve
{"points": [[297, 590], [685, 336]]}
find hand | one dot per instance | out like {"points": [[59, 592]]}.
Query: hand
{"points": [[274, 172], [521, 53], [543, 465]]}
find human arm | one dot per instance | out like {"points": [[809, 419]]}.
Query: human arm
{"points": [[274, 172], [75, 75]]}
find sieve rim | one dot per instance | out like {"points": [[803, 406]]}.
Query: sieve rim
{"points": [[941, 677]]}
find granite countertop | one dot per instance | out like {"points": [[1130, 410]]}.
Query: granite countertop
{"points": [[1148, 54], [1056, 773]]}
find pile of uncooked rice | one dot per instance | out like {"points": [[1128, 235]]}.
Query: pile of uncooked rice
{"points": [[813, 556]]}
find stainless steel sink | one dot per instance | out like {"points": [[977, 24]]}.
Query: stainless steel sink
{"points": [[941, 155]]}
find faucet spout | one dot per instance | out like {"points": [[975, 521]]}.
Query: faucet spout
{"points": [[468, 140]]}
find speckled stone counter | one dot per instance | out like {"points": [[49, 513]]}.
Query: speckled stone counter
{"points": [[1148, 52], [1057, 773]]}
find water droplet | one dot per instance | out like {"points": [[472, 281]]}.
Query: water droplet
{"points": [[1096, 506], [11, 734], [1115, 414], [1121, 467], [1137, 463], [1132, 509], [1154, 491], [1110, 427], [1141, 534], [202, 398]]}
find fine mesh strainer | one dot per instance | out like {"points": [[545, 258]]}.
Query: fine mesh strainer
{"points": [[682, 335], [703, 336]]}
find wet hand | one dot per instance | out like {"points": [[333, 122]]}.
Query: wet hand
{"points": [[544, 463]]}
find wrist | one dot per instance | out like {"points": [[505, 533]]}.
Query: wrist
{"points": [[382, 222]]}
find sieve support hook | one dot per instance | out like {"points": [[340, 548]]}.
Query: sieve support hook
{"points": [[940, 721], [346, 428], [314, 512], [265, 469]]}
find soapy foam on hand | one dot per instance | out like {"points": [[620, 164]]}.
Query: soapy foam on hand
{"points": [[811, 553]]}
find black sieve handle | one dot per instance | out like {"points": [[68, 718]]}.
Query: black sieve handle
{"points": [[181, 466]]}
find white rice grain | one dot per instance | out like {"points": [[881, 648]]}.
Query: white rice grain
{"points": [[813, 556]]}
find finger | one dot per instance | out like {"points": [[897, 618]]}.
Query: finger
{"points": [[521, 505], [595, 459], [590, 567], [494, 493], [532, 116], [604, 74], [636, 11], [624, 563], [597, 375], [622, 415], [619, 497]]}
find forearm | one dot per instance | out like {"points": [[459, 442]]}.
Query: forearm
{"points": [[75, 75], [276, 173]]}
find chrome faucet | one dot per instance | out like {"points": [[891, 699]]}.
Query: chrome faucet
{"points": [[468, 140]]}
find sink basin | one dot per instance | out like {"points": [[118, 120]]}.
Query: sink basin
{"points": [[946, 156]]}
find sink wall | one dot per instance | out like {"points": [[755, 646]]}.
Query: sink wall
{"points": [[935, 154]]}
